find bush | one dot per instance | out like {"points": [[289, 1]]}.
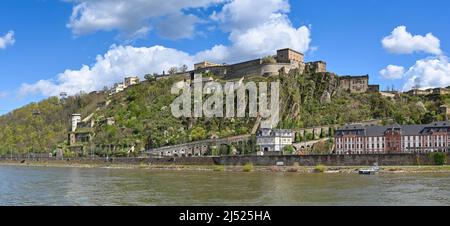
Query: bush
{"points": [[320, 168], [248, 167], [438, 158], [215, 151], [269, 60], [309, 137], [69, 154], [288, 150]]}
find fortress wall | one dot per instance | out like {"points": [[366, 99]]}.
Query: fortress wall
{"points": [[217, 70], [244, 65], [273, 69], [248, 68], [252, 69]]}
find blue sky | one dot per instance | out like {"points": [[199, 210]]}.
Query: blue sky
{"points": [[47, 44]]}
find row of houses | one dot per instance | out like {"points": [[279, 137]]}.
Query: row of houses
{"points": [[391, 139]]}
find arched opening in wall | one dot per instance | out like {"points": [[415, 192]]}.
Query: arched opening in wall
{"points": [[183, 155], [197, 154], [175, 155], [189, 155], [149, 143], [266, 149], [223, 150]]}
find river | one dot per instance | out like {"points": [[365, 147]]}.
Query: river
{"points": [[74, 186]]}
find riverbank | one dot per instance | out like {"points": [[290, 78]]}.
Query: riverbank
{"points": [[234, 168]]}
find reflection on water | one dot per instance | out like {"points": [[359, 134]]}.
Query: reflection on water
{"points": [[71, 186]]}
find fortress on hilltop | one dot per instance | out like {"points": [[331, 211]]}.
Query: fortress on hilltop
{"points": [[285, 60]]}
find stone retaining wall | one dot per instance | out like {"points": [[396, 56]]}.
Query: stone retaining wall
{"points": [[310, 160]]}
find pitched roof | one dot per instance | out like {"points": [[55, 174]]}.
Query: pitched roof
{"points": [[406, 130]]}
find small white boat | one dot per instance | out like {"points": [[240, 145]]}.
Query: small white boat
{"points": [[372, 170]]}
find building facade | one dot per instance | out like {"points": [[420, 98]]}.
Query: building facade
{"points": [[424, 92], [289, 55], [354, 84], [205, 64], [316, 67], [272, 141], [129, 81], [75, 119], [80, 132], [117, 88], [358, 139]]}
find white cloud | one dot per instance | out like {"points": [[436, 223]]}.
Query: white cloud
{"points": [[274, 34], [185, 26], [249, 39], [246, 14], [400, 41], [393, 72], [118, 62], [256, 33], [134, 18], [7, 40], [428, 73], [259, 41]]}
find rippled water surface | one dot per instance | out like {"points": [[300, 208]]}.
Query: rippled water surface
{"points": [[71, 186]]}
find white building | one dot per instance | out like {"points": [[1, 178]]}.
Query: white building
{"points": [[272, 141], [117, 88], [129, 81]]}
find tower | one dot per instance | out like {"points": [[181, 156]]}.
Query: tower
{"points": [[75, 119]]}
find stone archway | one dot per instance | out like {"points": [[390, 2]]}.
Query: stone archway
{"points": [[149, 144]]}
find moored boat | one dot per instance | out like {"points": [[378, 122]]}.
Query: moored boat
{"points": [[372, 170]]}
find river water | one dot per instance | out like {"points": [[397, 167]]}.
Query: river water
{"points": [[73, 186]]}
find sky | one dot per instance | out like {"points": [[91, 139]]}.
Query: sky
{"points": [[53, 46]]}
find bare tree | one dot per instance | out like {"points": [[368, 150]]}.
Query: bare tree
{"points": [[184, 68], [173, 70]]}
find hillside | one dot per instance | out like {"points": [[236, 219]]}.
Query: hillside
{"points": [[142, 113], [24, 130]]}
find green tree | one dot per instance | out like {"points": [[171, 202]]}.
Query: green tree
{"points": [[198, 133], [288, 150]]}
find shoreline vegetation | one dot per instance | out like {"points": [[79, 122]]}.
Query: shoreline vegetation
{"points": [[319, 169]]}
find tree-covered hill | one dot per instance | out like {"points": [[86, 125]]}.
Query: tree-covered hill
{"points": [[142, 113], [42, 126]]}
